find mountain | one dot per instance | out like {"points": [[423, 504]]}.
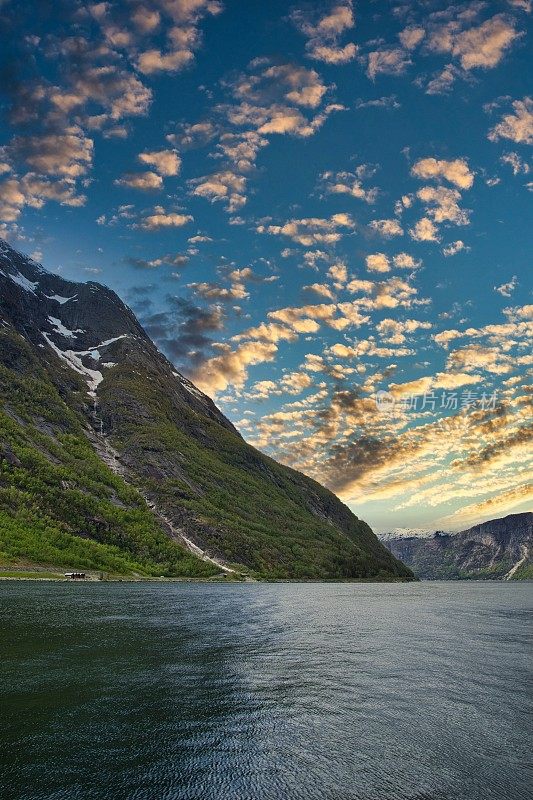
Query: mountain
{"points": [[404, 533], [111, 459], [501, 549]]}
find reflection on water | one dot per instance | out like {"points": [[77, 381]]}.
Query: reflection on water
{"points": [[249, 692]]}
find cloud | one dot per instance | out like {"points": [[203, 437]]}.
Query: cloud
{"points": [[442, 82], [269, 332], [517, 127], [394, 331], [524, 5], [339, 273], [303, 319], [406, 261], [145, 181], [442, 380], [67, 155], [146, 19], [237, 290], [165, 162], [183, 37], [231, 366], [456, 171], [116, 93], [349, 183], [378, 262], [226, 186], [280, 119], [280, 83], [477, 47], [497, 505], [313, 230], [386, 227], [516, 163], [152, 61], [163, 219], [441, 204], [476, 356], [214, 291], [519, 312], [241, 149], [34, 191], [191, 135], [506, 289], [387, 61], [177, 260], [390, 293], [368, 347], [320, 288], [388, 102], [323, 31], [424, 230], [454, 247], [411, 36], [183, 332]]}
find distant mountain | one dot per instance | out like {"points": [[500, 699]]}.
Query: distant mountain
{"points": [[405, 533], [501, 549], [111, 459]]}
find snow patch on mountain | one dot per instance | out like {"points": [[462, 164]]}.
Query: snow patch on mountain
{"points": [[405, 533], [59, 299], [23, 282], [92, 376]]}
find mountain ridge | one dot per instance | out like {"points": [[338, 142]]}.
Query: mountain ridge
{"points": [[498, 549], [192, 475]]}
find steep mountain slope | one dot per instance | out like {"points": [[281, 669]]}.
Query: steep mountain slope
{"points": [[104, 443], [498, 549]]}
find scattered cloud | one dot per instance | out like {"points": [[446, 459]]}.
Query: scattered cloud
{"points": [[145, 181], [387, 61], [164, 219], [165, 162], [517, 164], [378, 262], [481, 46], [456, 171], [424, 230], [312, 230], [323, 31], [231, 366], [386, 227], [386, 101], [227, 187], [517, 127], [506, 289], [350, 183], [454, 247]]}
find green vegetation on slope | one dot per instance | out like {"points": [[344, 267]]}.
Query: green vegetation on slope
{"points": [[59, 503], [238, 502]]}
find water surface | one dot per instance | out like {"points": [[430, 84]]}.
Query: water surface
{"points": [[256, 692]]}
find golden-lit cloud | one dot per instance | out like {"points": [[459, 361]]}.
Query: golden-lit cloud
{"points": [[517, 127], [455, 171], [324, 29], [312, 230], [231, 366], [165, 162], [145, 181], [386, 227]]}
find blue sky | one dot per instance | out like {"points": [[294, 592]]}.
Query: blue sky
{"points": [[306, 205]]}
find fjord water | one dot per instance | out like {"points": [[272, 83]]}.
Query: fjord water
{"points": [[326, 691]]}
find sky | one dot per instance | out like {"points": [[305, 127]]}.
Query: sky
{"points": [[321, 213]]}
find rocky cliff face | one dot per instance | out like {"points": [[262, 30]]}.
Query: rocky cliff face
{"points": [[79, 374], [497, 549]]}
